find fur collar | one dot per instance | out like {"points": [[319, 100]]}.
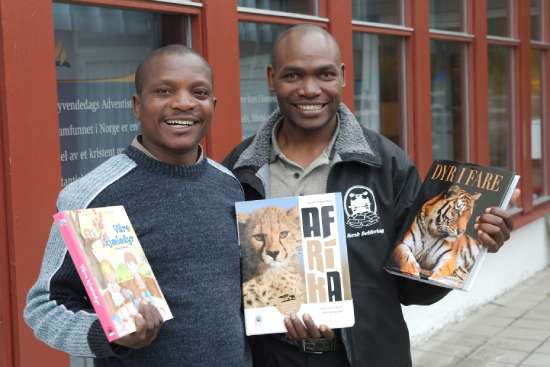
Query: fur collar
{"points": [[351, 142]]}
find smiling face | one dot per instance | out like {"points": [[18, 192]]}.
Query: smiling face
{"points": [[175, 106], [307, 77]]}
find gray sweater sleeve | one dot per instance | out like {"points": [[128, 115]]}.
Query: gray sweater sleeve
{"points": [[56, 309]]}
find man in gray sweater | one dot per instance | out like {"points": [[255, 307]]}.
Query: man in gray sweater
{"points": [[181, 206]]}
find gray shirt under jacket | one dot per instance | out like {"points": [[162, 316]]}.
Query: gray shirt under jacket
{"points": [[288, 178]]}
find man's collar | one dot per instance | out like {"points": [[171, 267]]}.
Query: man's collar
{"points": [[136, 143], [350, 142], [276, 151]]}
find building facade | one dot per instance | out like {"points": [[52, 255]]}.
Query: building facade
{"points": [[444, 79]]}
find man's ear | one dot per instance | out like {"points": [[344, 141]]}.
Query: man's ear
{"points": [[269, 73], [136, 104], [214, 102], [343, 73]]}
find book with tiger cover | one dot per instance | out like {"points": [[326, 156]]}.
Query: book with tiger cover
{"points": [[294, 261], [112, 266], [439, 245]]}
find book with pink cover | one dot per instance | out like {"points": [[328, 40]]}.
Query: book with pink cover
{"points": [[112, 266]]}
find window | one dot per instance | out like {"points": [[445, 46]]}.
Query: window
{"points": [[539, 100], [97, 52], [538, 123], [448, 76], [258, 31], [499, 18], [449, 60], [536, 23], [379, 84], [257, 103], [309, 7], [378, 11], [379, 67], [449, 15], [500, 81]]}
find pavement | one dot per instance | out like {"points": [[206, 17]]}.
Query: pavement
{"points": [[513, 330]]}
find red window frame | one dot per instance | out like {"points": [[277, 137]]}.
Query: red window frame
{"points": [[420, 131], [533, 210], [405, 32], [28, 73], [28, 25]]}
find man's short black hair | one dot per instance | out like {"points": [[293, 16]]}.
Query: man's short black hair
{"points": [[301, 28], [174, 49]]}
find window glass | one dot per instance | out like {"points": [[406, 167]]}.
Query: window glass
{"points": [[448, 105], [538, 124], [447, 15], [379, 86], [536, 24], [379, 11], [257, 102], [97, 52], [500, 106], [498, 18], [308, 7]]}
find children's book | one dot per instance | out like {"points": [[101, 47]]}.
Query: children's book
{"points": [[112, 266], [440, 244], [294, 261]]}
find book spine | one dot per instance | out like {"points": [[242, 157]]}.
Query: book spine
{"points": [[90, 283], [509, 192]]}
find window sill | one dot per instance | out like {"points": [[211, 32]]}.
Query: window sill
{"points": [[522, 218]]}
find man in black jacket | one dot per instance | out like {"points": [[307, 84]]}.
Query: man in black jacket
{"points": [[313, 144]]}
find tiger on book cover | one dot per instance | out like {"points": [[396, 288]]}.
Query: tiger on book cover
{"points": [[436, 246]]}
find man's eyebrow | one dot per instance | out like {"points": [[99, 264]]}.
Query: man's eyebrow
{"points": [[169, 81], [299, 69], [292, 68], [200, 83], [327, 67]]}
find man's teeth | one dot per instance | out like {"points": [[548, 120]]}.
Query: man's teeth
{"points": [[180, 122], [310, 107]]}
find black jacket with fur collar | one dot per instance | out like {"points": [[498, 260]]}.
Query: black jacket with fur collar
{"points": [[371, 166]]}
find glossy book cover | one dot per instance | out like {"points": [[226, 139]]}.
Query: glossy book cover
{"points": [[294, 261], [112, 266], [440, 245]]}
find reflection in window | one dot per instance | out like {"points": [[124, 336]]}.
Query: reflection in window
{"points": [[448, 104], [308, 7], [538, 124], [379, 11], [536, 25], [97, 52], [500, 106], [447, 15], [499, 18], [378, 81], [257, 103]]}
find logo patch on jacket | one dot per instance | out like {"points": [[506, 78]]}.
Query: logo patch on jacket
{"points": [[360, 207]]}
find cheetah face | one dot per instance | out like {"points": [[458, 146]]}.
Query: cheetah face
{"points": [[271, 236], [271, 245]]}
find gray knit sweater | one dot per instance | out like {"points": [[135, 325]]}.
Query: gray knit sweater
{"points": [[184, 219]]}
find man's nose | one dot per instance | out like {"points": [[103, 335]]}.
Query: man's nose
{"points": [[183, 101], [310, 88]]}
